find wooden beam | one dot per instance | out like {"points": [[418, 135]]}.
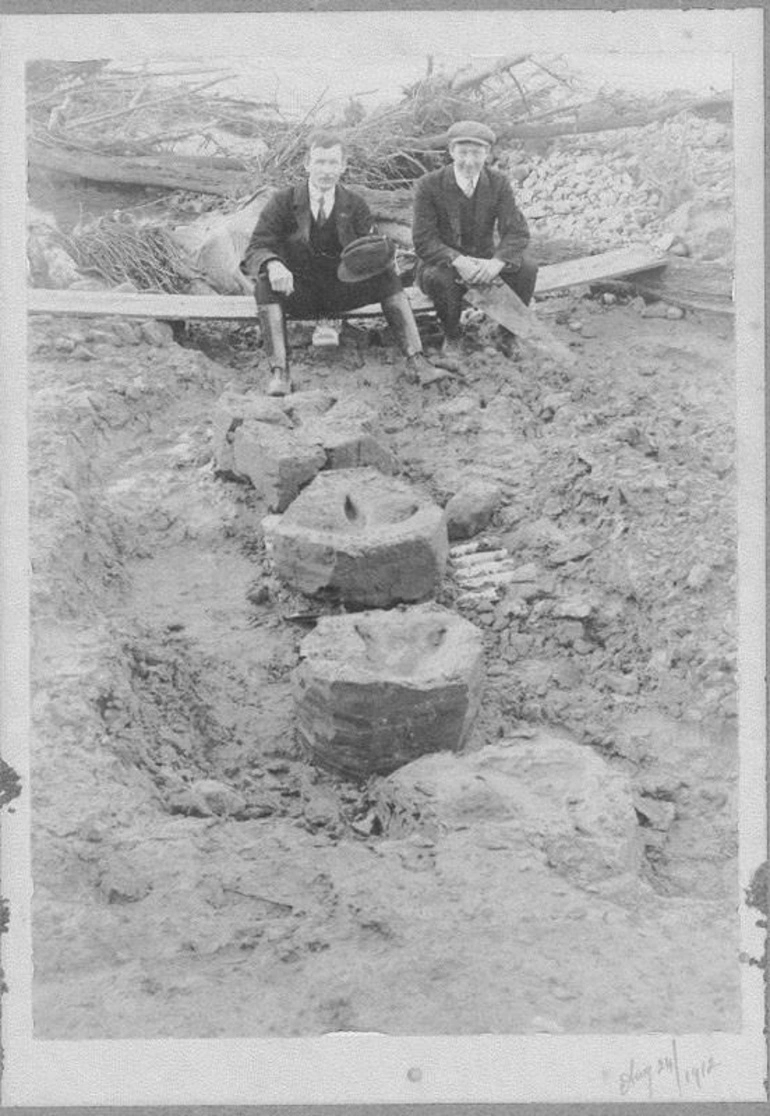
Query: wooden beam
{"points": [[96, 304]]}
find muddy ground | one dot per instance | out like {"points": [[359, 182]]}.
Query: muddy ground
{"points": [[196, 876]]}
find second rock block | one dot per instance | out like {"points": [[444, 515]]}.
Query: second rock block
{"points": [[368, 539], [376, 690]]}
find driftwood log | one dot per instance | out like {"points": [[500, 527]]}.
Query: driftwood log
{"points": [[589, 118], [166, 171]]}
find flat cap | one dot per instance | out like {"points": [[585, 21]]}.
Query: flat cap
{"points": [[470, 131]]}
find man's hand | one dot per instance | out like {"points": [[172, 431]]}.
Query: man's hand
{"points": [[281, 279], [488, 271], [466, 267]]}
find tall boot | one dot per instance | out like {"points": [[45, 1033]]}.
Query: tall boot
{"points": [[273, 325], [398, 314]]}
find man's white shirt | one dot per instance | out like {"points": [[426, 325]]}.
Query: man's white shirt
{"points": [[315, 201], [466, 184]]}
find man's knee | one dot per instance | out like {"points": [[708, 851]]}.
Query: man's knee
{"points": [[438, 279], [523, 280]]}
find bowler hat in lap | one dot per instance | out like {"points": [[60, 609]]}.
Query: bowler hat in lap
{"points": [[364, 258], [470, 131]]}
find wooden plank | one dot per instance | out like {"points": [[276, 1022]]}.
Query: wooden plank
{"points": [[605, 265], [170, 307], [589, 269]]}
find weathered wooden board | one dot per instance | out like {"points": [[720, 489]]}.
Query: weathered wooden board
{"points": [[103, 304], [170, 307], [99, 304], [605, 265]]}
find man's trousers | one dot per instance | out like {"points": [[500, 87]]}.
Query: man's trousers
{"points": [[320, 294], [444, 286]]}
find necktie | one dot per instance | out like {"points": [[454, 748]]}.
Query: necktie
{"points": [[468, 187], [321, 218]]}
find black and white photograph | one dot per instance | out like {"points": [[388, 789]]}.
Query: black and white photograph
{"points": [[384, 606]]}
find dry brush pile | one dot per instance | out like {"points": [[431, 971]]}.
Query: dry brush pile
{"points": [[177, 129]]}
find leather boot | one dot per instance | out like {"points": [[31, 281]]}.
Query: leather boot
{"points": [[450, 356], [398, 314], [271, 320]]}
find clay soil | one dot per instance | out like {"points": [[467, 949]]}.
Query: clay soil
{"points": [[196, 876]]}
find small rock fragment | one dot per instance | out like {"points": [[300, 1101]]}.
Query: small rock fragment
{"points": [[120, 882], [627, 684], [573, 608], [471, 508], [698, 576], [205, 798], [80, 352], [571, 551], [159, 334], [679, 248], [655, 310]]}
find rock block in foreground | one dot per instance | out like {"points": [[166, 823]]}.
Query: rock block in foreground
{"points": [[370, 539], [232, 410], [377, 689], [547, 793], [349, 435], [278, 462], [321, 434]]}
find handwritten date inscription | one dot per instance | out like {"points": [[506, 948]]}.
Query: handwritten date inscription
{"points": [[667, 1069]]}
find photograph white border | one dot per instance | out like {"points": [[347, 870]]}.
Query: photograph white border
{"points": [[363, 1068]]}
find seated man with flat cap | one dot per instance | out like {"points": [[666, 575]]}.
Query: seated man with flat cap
{"points": [[468, 230], [313, 255]]}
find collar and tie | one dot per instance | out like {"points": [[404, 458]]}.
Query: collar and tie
{"points": [[322, 205]]}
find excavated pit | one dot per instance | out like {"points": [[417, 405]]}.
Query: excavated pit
{"points": [[191, 865]]}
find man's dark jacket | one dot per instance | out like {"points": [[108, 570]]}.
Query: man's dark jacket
{"points": [[436, 219], [283, 229]]}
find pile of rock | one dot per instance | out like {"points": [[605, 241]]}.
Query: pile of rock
{"points": [[612, 188]]}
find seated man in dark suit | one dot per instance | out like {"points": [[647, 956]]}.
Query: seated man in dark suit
{"points": [[457, 211], [294, 257]]}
